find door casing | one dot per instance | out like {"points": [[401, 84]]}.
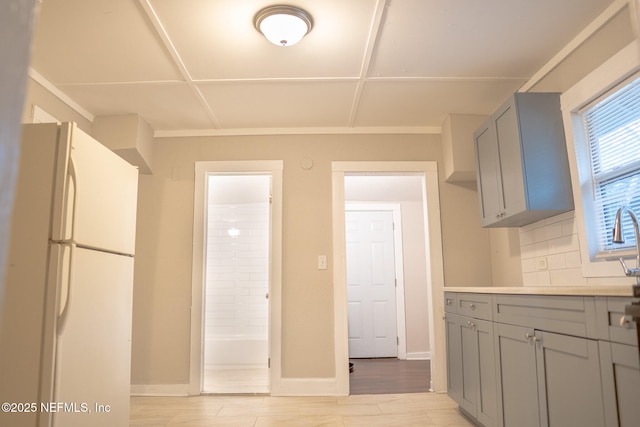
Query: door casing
{"points": [[434, 262], [202, 171]]}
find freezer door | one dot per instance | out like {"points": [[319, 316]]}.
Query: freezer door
{"points": [[93, 349], [101, 196]]}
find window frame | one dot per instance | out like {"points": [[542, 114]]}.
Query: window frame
{"points": [[619, 68]]}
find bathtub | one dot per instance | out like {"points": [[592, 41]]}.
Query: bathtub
{"points": [[235, 350]]}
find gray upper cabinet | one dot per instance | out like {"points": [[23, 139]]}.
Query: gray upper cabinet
{"points": [[521, 162]]}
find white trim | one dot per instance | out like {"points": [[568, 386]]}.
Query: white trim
{"points": [[616, 69], [391, 130], [399, 167], [202, 170], [434, 261], [419, 355], [399, 265], [159, 389], [38, 78]]}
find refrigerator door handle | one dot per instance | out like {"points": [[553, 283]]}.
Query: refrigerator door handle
{"points": [[66, 286], [70, 203], [61, 184]]}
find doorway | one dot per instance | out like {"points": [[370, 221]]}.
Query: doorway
{"points": [[431, 258], [237, 277], [236, 306]]}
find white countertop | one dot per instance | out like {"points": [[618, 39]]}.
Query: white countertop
{"points": [[622, 291]]}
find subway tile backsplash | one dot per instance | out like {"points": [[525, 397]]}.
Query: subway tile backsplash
{"points": [[550, 252], [237, 275]]}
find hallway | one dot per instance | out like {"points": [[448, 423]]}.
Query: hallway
{"points": [[389, 376]]}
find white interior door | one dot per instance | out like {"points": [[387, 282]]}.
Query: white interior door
{"points": [[371, 281]]}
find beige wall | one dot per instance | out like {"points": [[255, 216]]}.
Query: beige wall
{"points": [[416, 295], [161, 329], [162, 294]]}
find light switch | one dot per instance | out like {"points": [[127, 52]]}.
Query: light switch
{"points": [[322, 262]]}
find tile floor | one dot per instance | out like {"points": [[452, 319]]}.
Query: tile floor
{"points": [[254, 380], [414, 409]]}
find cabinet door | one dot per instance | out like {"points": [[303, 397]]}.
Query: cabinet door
{"points": [[569, 383], [454, 357], [487, 401], [470, 384], [517, 376], [621, 383], [510, 154], [488, 173]]}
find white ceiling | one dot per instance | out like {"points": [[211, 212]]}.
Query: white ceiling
{"points": [[200, 67]]}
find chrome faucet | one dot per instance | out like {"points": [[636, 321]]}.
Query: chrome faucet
{"points": [[618, 237]]}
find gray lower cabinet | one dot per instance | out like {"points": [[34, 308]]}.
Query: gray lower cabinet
{"points": [[548, 379], [471, 367], [569, 382], [543, 361], [620, 367], [619, 362], [516, 370], [453, 333]]}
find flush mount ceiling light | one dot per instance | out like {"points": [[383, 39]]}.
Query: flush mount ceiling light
{"points": [[283, 25]]}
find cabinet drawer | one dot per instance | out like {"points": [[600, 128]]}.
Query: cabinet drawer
{"points": [[450, 302], [613, 324], [571, 315], [475, 305]]}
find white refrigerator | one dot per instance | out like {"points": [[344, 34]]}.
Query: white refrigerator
{"points": [[65, 332]]}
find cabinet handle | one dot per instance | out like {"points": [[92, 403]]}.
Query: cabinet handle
{"points": [[471, 324], [625, 322], [449, 302], [472, 306], [529, 337]]}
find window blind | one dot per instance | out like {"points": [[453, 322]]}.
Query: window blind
{"points": [[612, 127]]}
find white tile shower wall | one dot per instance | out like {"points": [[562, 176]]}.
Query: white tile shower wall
{"points": [[237, 273], [550, 252]]}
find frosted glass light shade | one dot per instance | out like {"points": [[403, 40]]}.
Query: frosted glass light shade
{"points": [[283, 25]]}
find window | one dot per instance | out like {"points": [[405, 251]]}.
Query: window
{"points": [[612, 130]]}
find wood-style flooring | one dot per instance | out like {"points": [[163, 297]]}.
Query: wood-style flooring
{"points": [[388, 376]]}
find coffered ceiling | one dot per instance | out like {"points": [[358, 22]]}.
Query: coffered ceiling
{"points": [[200, 66]]}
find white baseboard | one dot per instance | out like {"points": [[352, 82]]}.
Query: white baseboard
{"points": [[159, 389], [284, 387], [419, 355], [305, 387]]}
